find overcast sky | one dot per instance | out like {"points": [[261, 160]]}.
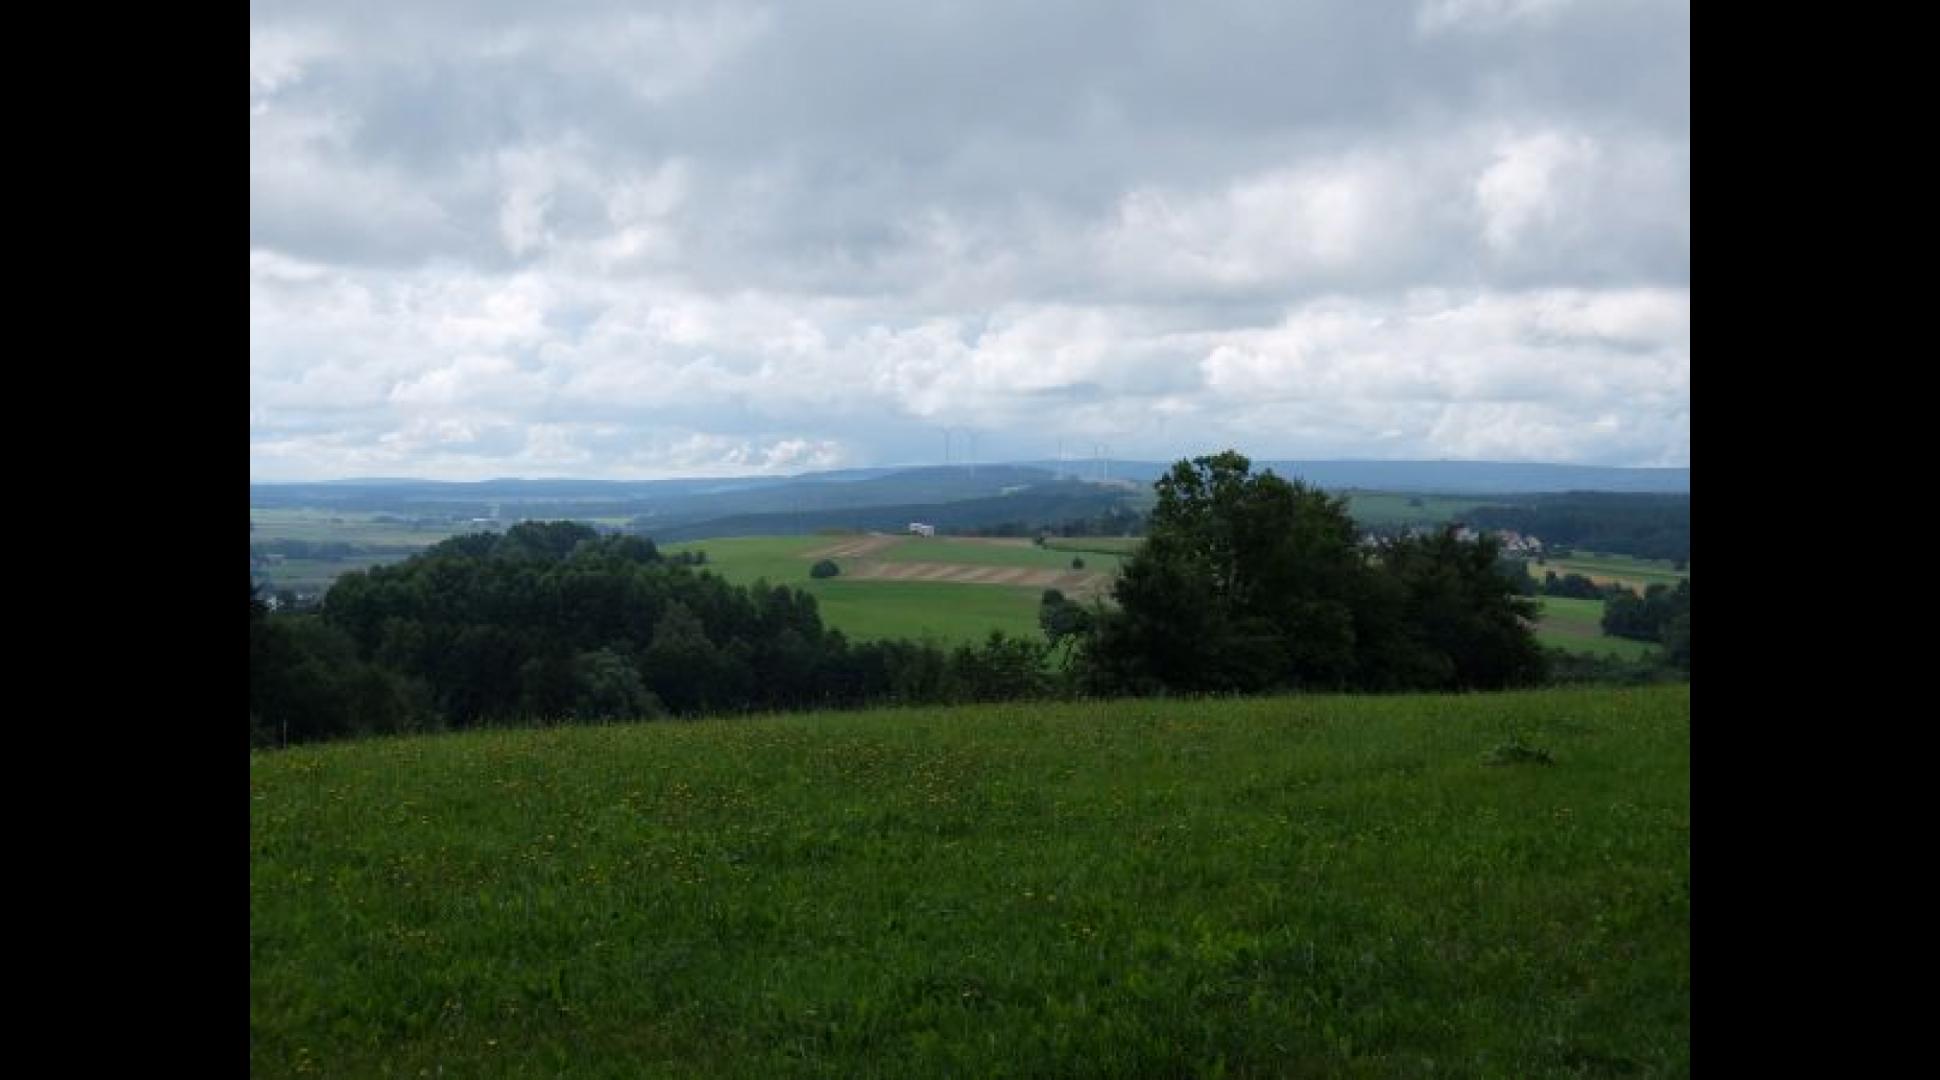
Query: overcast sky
{"points": [[628, 240]]}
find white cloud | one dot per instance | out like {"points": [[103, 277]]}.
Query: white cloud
{"points": [[1527, 187], [1439, 16], [611, 241]]}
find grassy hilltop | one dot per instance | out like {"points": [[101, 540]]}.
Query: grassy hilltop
{"points": [[1317, 886]]}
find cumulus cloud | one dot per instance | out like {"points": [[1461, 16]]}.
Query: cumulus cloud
{"points": [[608, 239]]}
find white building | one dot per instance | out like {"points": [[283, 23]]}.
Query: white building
{"points": [[919, 529]]}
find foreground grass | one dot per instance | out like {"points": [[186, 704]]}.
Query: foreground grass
{"points": [[1270, 887]]}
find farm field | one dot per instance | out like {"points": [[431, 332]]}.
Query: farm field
{"points": [[319, 526], [993, 552], [947, 589], [1110, 545], [1577, 625], [1607, 569], [317, 574], [948, 613], [381, 542], [1307, 886], [743, 560]]}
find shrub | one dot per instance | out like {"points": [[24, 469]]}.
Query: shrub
{"points": [[824, 569], [1077, 562]]}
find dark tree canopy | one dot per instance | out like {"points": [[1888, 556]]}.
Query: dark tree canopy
{"points": [[552, 621], [1251, 582]]}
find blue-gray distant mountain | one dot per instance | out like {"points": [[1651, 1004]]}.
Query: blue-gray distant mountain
{"points": [[660, 503], [1044, 505], [675, 506]]}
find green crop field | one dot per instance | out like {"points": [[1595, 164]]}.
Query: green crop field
{"points": [[1577, 625], [321, 526], [1636, 573], [985, 553], [379, 542], [1111, 545], [1301, 887], [743, 560], [948, 613], [872, 610], [306, 574]]}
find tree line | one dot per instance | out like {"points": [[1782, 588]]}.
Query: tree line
{"points": [[554, 622], [1661, 615], [1246, 583], [1647, 526]]}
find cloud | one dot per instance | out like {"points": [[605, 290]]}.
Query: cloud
{"points": [[1439, 16], [614, 240]]}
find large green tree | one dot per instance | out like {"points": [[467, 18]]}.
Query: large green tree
{"points": [[1248, 581], [1467, 619], [1245, 582]]}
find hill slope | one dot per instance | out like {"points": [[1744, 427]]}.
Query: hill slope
{"points": [[1272, 887]]}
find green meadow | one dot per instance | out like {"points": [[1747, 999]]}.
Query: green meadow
{"points": [[1107, 545], [743, 560], [874, 610], [1483, 885], [975, 553], [917, 610], [348, 526], [1577, 625], [1634, 572], [318, 574]]}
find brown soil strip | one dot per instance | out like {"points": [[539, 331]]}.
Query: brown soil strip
{"points": [[1071, 582], [854, 548]]}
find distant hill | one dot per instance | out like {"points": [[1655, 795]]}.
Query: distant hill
{"points": [[662, 502], [665, 505], [1039, 505]]}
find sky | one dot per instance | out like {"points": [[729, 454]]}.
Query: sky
{"points": [[633, 240]]}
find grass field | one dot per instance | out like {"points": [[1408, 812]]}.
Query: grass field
{"points": [[322, 526], [1577, 625], [386, 542], [744, 559], [1636, 573], [994, 553], [871, 610], [948, 613], [1109, 545], [317, 574], [1300, 887]]}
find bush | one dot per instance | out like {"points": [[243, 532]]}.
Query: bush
{"points": [[1077, 562], [824, 569]]}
